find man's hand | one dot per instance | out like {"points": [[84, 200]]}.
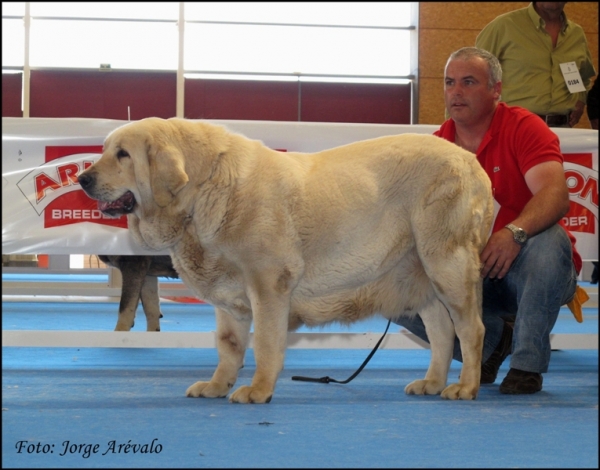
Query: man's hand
{"points": [[576, 114], [499, 253]]}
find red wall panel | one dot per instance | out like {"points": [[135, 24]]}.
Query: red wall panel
{"points": [[106, 95], [12, 84], [241, 99], [278, 101], [356, 102]]}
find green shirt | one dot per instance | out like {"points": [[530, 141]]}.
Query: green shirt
{"points": [[531, 74]]}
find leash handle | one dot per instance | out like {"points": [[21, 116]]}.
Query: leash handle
{"points": [[323, 380], [327, 379]]}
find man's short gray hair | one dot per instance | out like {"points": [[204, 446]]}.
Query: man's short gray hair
{"points": [[493, 63]]}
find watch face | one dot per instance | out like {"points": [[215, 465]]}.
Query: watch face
{"points": [[519, 235]]}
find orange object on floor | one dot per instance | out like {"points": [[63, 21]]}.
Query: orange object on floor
{"points": [[580, 297]]}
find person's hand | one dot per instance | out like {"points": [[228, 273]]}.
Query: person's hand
{"points": [[576, 114], [498, 255]]}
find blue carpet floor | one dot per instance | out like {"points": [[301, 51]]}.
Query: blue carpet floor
{"points": [[109, 397], [119, 407]]}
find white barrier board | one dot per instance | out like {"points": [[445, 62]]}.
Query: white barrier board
{"points": [[44, 211]]}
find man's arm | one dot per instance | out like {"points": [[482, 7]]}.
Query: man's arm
{"points": [[576, 113], [550, 202], [593, 104]]}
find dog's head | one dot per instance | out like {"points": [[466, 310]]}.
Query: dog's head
{"points": [[141, 165]]}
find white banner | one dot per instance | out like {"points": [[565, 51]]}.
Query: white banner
{"points": [[45, 212]]}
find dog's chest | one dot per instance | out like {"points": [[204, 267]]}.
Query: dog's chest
{"points": [[210, 276]]}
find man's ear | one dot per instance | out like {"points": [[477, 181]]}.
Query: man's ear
{"points": [[497, 91], [167, 173]]}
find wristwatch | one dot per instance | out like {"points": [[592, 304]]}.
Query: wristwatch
{"points": [[519, 235]]}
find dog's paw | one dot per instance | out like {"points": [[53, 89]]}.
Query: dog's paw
{"points": [[207, 390], [424, 387], [123, 326], [246, 394], [153, 326], [460, 392]]}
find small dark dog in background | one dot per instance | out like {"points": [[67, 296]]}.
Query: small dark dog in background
{"points": [[140, 280]]}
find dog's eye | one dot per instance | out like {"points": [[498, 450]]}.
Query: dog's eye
{"points": [[122, 154]]}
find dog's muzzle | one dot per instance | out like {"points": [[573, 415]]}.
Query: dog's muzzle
{"points": [[123, 205]]}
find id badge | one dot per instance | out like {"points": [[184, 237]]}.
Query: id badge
{"points": [[572, 77]]}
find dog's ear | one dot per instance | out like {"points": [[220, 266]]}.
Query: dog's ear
{"points": [[167, 173]]}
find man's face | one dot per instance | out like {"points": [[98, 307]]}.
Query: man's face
{"points": [[468, 98], [552, 9]]}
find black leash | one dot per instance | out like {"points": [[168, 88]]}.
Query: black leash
{"points": [[326, 380]]}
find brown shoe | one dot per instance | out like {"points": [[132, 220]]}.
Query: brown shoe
{"points": [[489, 369], [519, 382]]}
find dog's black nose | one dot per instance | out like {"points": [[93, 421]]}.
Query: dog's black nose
{"points": [[85, 180]]}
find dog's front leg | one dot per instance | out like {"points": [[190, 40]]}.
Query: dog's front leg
{"points": [[270, 313], [232, 340], [133, 271]]}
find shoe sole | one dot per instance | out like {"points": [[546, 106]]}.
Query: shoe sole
{"points": [[512, 391]]}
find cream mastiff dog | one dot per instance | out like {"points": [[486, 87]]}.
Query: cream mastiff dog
{"points": [[392, 225]]}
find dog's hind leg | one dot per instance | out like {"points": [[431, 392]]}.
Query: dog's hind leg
{"points": [[232, 340], [455, 278], [470, 331], [151, 303], [440, 332], [450, 230]]}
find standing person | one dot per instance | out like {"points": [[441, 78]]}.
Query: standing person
{"points": [[593, 103], [529, 264], [531, 44]]}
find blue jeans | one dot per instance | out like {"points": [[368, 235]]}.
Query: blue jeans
{"points": [[541, 280]]}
